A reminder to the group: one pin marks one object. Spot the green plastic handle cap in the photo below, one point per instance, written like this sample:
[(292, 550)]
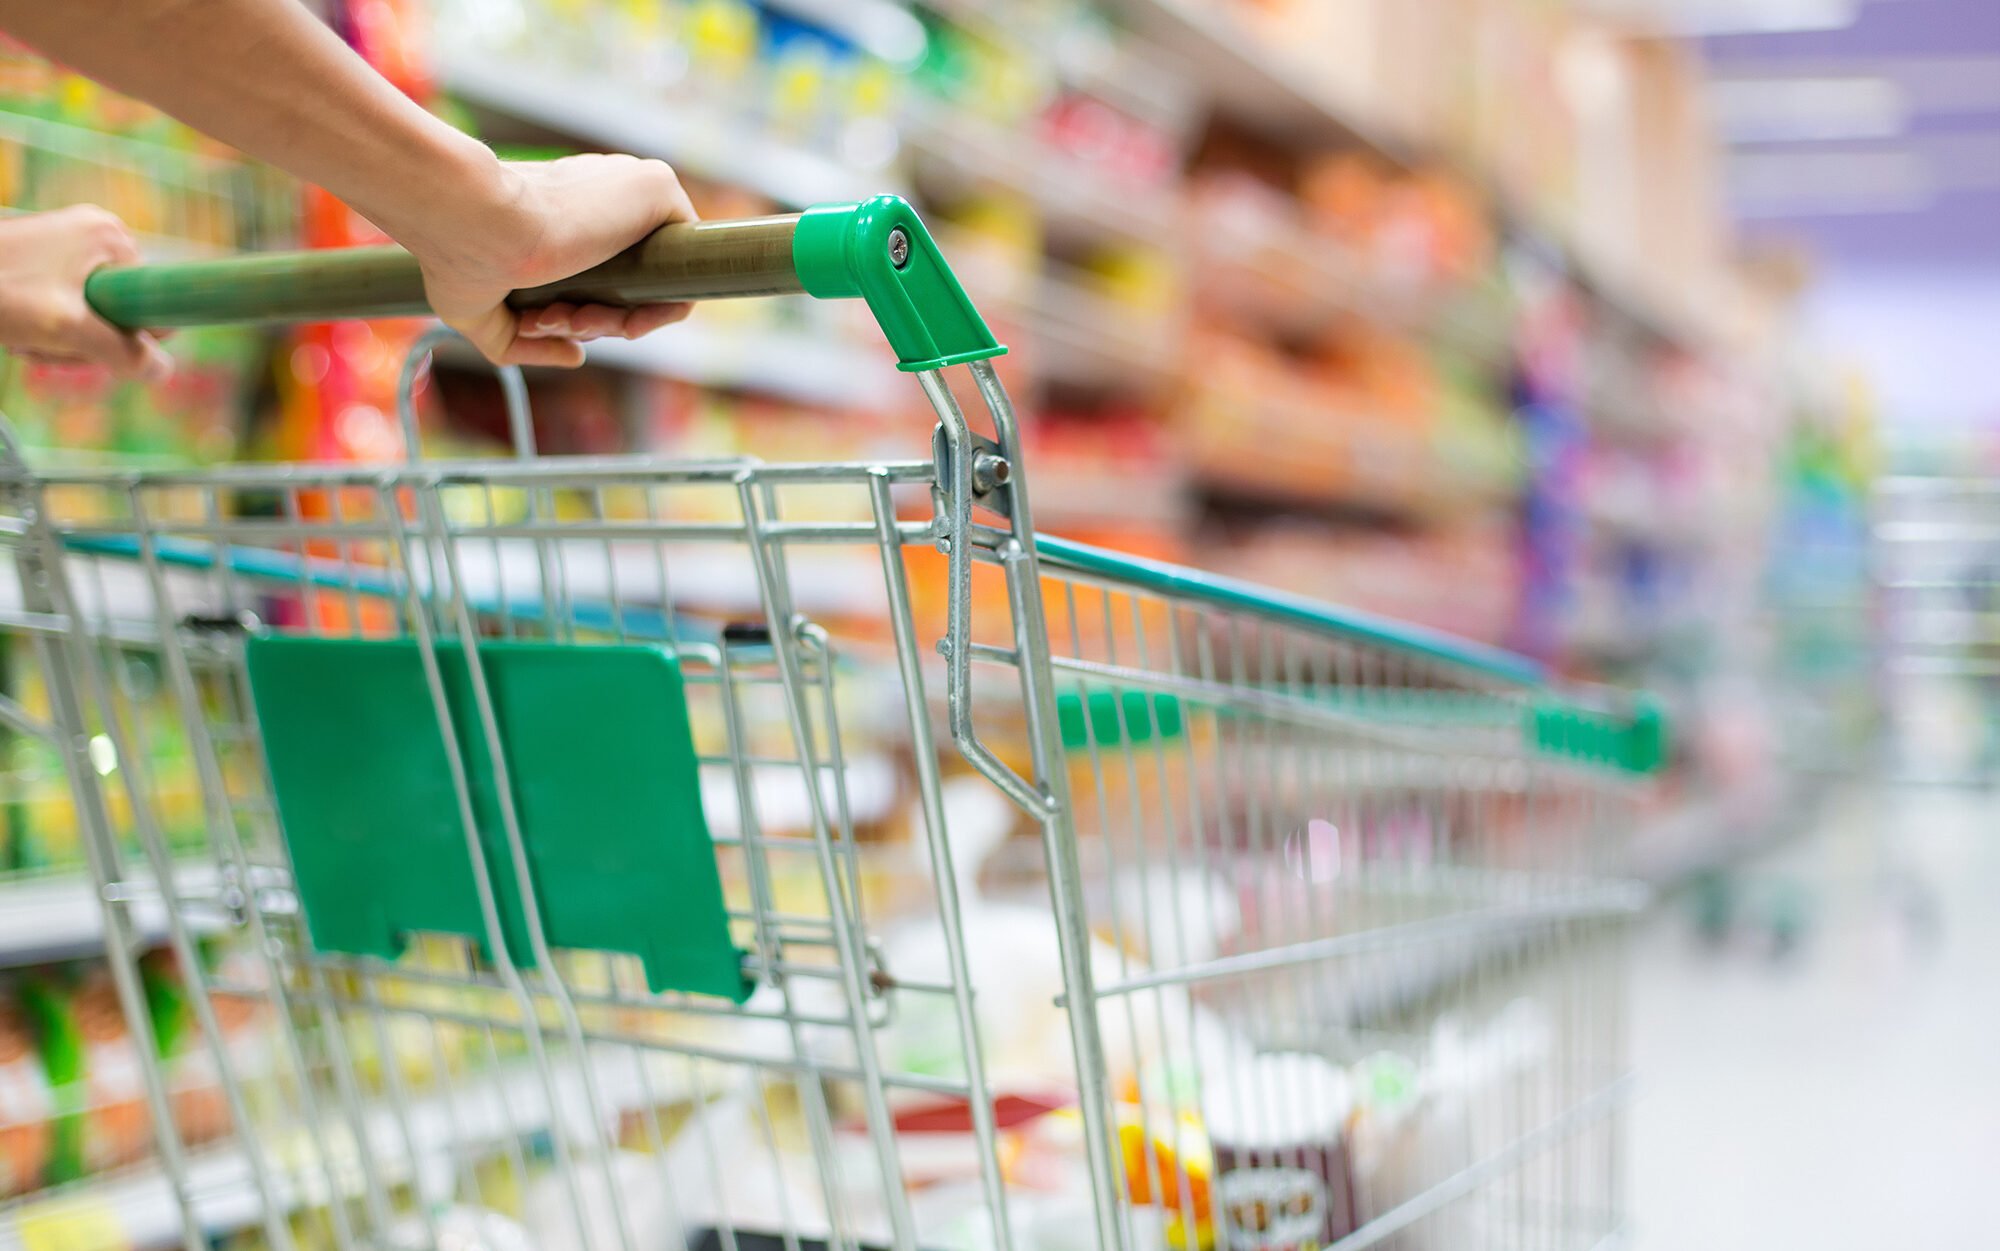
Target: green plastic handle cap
[(879, 251)]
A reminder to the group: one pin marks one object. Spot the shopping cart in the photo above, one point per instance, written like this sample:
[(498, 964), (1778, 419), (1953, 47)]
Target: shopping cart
[(625, 853)]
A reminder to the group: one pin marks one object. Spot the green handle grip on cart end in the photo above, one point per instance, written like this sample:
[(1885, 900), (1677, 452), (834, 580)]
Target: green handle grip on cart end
[(877, 251)]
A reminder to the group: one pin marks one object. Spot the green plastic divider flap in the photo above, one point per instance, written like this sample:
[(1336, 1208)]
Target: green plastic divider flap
[(880, 251), (602, 771)]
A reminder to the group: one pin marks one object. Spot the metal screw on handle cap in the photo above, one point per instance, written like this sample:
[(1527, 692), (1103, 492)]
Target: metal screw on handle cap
[(899, 247)]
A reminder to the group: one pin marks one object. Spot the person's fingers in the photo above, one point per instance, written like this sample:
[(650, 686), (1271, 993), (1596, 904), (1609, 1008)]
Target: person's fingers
[(555, 353), (154, 363), (595, 321), (661, 193), (584, 322), (120, 246), (105, 239), (83, 334), (492, 332), (552, 322), (647, 318)]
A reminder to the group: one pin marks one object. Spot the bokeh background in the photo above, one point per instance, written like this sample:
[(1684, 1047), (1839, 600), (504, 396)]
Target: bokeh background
[(1652, 338)]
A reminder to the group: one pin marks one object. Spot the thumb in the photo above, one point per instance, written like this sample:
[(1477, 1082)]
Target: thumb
[(154, 363), (133, 354)]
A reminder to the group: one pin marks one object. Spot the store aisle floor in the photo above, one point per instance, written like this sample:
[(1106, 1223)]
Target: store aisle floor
[(1846, 1093)]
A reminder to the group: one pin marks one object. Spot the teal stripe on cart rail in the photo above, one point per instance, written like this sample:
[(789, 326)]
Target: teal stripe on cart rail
[(1637, 743), (1176, 580), (642, 624)]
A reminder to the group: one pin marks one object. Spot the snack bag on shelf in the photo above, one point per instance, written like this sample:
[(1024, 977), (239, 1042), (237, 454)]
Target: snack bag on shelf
[(116, 1126), (26, 1104)]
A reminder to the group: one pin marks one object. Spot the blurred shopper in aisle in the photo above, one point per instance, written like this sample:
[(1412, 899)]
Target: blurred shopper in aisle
[(266, 77)]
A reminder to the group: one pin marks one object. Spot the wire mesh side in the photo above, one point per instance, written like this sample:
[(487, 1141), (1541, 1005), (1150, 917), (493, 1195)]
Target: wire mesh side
[(1357, 968), (411, 1098), (1345, 937)]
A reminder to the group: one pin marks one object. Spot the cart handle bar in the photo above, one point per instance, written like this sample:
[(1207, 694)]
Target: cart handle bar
[(877, 250)]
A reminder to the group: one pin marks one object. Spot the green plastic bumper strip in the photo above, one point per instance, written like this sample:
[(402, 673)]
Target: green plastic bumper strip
[(880, 251), (1636, 744), (1115, 719), (1161, 578), (603, 778)]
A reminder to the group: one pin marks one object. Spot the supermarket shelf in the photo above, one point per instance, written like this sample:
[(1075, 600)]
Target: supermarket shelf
[(1254, 82), (781, 801), (884, 28), (1716, 830), (1650, 311), (710, 143), (705, 577), (1087, 339), (1088, 496), (1073, 196), (1261, 85), (812, 369), (1122, 71), (224, 1189), (1292, 451), (156, 248), (45, 918), (1664, 851), (51, 917), (708, 578), (1279, 273), (1644, 520)]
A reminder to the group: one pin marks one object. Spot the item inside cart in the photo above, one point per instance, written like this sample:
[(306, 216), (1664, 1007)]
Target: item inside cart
[(996, 891)]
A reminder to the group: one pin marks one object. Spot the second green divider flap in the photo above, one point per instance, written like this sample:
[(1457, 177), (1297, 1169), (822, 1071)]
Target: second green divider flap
[(602, 768)]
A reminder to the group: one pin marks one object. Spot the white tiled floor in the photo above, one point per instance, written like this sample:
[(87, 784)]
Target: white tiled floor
[(1846, 1095)]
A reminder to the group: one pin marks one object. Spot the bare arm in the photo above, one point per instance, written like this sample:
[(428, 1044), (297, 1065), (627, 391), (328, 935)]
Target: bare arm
[(267, 77)]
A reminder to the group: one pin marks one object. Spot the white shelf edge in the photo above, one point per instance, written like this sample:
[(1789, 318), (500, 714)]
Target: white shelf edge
[(224, 1190), (812, 369), (706, 142), (55, 916)]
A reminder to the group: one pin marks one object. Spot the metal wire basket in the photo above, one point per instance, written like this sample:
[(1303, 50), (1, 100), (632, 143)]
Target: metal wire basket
[(642, 854)]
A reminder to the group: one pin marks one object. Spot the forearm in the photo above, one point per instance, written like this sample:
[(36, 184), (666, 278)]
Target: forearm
[(267, 77)]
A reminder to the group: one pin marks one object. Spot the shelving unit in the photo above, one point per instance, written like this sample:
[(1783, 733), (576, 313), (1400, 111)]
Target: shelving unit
[(1259, 84), (1074, 196), (1253, 81), (141, 1205)]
